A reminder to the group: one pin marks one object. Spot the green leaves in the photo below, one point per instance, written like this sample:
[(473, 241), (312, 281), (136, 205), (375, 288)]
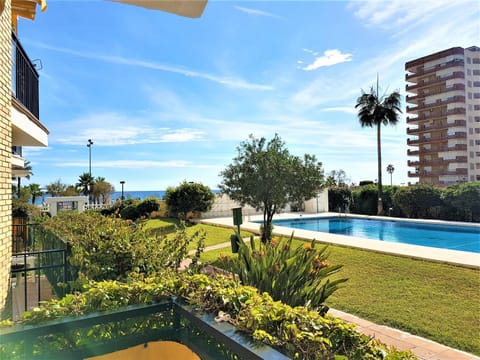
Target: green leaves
[(296, 276)]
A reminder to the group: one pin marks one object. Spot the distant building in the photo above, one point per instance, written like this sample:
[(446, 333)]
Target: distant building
[(443, 108)]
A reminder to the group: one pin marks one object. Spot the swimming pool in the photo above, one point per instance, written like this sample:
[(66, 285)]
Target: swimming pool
[(453, 237)]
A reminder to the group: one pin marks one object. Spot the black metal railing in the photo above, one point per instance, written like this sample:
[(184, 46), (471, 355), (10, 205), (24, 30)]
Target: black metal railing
[(24, 78), (40, 268)]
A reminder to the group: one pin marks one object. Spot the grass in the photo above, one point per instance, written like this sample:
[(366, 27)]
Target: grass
[(215, 234), (437, 301)]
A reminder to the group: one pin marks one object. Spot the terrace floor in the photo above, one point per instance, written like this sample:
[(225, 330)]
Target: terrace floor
[(423, 348)]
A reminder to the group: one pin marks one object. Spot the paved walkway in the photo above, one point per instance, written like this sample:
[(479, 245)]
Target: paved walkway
[(424, 349)]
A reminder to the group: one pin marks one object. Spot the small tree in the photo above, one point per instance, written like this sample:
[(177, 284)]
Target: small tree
[(266, 177), (188, 197), (102, 191), (56, 188)]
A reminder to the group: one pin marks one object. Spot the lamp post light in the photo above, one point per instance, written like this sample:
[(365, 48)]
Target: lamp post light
[(122, 183), (89, 145)]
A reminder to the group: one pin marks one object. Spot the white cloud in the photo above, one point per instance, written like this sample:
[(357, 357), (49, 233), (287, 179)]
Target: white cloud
[(329, 58), (115, 129), (256, 12), (345, 109), (232, 82)]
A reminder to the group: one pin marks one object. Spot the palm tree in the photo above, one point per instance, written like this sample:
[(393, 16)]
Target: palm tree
[(375, 110), (35, 192), (85, 183), (390, 170), (27, 167)]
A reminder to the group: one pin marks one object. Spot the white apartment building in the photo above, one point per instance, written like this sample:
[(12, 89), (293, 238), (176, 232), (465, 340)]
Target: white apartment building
[(443, 108)]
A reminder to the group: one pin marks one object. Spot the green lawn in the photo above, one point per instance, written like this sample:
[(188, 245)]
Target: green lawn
[(436, 301), (215, 234)]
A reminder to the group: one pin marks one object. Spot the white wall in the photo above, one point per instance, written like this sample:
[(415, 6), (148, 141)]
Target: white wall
[(223, 205)]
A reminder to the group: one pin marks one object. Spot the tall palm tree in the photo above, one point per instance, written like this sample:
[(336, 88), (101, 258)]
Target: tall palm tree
[(375, 110), (390, 170)]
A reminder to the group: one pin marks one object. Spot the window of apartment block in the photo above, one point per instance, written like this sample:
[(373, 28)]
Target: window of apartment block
[(470, 131), (476, 61), (477, 118), (472, 167), (477, 130), (470, 96), (469, 60), (476, 72), (469, 83), (476, 107), (476, 95), (476, 83), (477, 153), (469, 72), (471, 154), (477, 142), (478, 177)]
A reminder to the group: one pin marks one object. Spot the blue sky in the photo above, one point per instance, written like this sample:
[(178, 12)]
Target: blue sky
[(166, 98)]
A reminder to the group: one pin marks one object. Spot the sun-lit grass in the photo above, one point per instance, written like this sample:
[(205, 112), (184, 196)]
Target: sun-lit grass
[(215, 234), (433, 300)]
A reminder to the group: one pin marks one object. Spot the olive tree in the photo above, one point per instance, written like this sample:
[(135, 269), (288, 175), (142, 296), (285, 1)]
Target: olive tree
[(267, 177), (189, 197)]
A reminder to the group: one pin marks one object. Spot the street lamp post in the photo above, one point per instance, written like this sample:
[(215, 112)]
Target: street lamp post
[(123, 183), (89, 145)]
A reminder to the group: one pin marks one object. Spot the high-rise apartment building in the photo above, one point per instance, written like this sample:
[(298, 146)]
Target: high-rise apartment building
[(443, 108)]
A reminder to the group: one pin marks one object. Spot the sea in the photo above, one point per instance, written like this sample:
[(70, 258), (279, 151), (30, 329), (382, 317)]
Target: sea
[(140, 195)]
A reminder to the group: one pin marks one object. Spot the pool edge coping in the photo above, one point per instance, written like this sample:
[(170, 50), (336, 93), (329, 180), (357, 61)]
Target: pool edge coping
[(451, 257)]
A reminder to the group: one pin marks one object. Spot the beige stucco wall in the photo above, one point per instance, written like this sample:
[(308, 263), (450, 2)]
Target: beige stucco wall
[(5, 149)]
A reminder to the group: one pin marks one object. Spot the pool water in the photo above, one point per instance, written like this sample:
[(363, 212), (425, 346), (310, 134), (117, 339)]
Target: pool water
[(451, 237)]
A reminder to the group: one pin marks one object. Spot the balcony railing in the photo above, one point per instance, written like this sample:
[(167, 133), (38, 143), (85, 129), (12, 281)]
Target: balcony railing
[(433, 139), (428, 128), (436, 80), (423, 71), (453, 99), (435, 162), (436, 115), (24, 78), (437, 173), (457, 147), (438, 90)]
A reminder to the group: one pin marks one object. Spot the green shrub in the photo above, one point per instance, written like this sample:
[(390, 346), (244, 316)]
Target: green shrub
[(339, 197), (365, 200), (188, 197), (296, 276), (297, 332), (110, 248), (147, 206), (129, 212)]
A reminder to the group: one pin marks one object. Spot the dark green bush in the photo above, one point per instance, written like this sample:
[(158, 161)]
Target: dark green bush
[(130, 212), (339, 197), (365, 200), (147, 206)]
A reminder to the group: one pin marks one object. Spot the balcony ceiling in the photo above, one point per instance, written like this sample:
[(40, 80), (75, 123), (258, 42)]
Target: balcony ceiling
[(187, 8), (26, 130)]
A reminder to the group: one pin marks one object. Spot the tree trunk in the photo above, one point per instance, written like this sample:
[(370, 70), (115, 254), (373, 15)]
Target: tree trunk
[(379, 162)]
